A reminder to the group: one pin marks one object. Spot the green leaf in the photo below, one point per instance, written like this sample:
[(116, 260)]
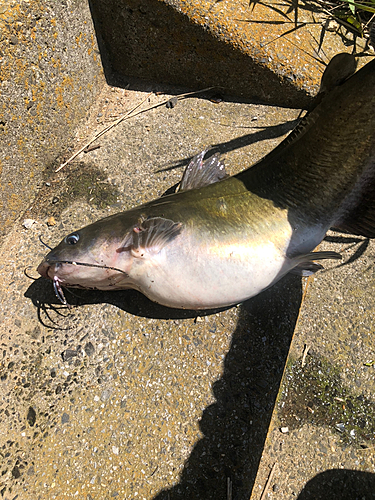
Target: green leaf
[(354, 22), (361, 6), (351, 6)]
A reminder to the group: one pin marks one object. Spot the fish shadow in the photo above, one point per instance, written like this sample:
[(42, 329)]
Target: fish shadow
[(235, 427), (224, 462), (43, 297)]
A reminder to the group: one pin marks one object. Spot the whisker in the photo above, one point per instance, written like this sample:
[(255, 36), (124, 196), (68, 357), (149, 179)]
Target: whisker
[(69, 290), (57, 282), (43, 308), (25, 272), (45, 244)]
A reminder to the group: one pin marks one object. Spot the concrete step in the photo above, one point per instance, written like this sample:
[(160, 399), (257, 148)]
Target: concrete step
[(270, 52), (119, 397), (132, 399)]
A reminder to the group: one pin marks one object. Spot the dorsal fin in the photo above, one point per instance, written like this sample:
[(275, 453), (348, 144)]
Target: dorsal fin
[(339, 69), (201, 173)]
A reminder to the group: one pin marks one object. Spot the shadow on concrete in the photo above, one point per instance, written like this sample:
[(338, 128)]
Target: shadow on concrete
[(154, 41), (263, 134), (236, 426), (226, 459), (50, 308), (340, 484)]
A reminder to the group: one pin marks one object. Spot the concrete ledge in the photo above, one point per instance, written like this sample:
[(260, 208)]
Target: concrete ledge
[(51, 70), (186, 43), (270, 52)]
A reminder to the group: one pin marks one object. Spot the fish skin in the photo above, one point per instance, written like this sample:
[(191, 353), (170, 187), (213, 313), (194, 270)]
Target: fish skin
[(210, 254), (225, 242)]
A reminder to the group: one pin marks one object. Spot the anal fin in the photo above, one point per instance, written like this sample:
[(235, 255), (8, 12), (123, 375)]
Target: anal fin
[(306, 269)]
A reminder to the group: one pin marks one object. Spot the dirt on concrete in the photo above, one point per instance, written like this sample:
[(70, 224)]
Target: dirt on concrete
[(50, 75)]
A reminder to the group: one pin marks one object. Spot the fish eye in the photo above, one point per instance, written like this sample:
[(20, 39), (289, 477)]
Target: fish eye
[(72, 239)]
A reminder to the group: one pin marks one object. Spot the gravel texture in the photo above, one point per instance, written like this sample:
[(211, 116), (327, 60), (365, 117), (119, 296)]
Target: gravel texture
[(118, 397)]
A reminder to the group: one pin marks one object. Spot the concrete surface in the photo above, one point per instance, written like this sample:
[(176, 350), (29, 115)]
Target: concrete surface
[(51, 69), (327, 403), (50, 74), (121, 398)]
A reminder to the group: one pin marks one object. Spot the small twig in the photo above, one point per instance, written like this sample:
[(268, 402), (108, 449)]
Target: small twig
[(91, 148), (229, 488), (268, 482), (305, 351), (102, 133), (368, 448), (153, 472), (128, 114)]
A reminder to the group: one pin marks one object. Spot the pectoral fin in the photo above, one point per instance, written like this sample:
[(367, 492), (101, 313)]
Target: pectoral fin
[(305, 265), (151, 235)]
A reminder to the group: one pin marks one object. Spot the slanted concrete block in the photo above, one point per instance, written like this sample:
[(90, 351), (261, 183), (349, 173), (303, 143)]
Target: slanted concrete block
[(190, 44), (50, 73)]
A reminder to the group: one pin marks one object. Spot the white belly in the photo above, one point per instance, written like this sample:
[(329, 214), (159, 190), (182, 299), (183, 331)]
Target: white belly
[(205, 277)]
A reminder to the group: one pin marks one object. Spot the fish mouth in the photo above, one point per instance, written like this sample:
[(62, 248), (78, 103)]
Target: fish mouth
[(45, 267), (48, 270)]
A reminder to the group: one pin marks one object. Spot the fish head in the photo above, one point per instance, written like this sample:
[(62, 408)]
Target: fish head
[(88, 258)]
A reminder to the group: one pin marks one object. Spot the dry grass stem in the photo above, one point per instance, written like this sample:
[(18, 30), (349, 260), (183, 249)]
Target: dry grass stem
[(129, 114), (267, 485)]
